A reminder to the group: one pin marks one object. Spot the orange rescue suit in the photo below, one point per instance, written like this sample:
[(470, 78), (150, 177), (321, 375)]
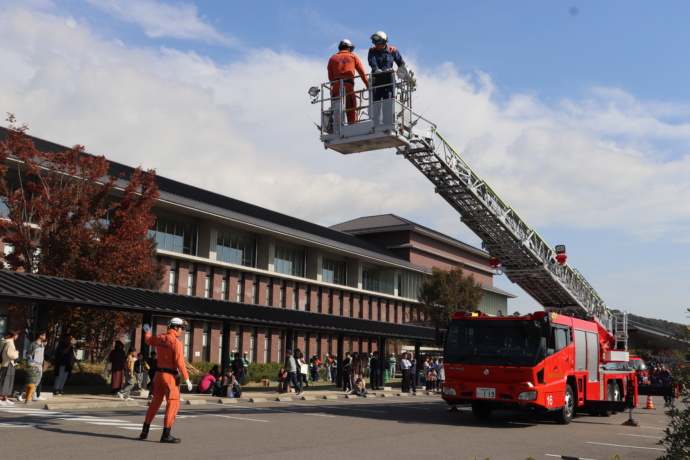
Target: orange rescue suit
[(171, 357), (343, 66)]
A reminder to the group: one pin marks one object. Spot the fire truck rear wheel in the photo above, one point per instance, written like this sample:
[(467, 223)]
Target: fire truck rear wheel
[(481, 410), (613, 393), (565, 414)]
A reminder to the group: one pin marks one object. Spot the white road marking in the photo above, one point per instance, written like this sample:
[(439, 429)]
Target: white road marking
[(623, 445), (111, 423), (139, 428), (239, 418), (20, 424), (336, 406), (640, 435), (271, 409)]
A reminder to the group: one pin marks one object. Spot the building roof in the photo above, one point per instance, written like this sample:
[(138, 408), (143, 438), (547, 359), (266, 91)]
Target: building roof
[(186, 195), (390, 222), (49, 290)]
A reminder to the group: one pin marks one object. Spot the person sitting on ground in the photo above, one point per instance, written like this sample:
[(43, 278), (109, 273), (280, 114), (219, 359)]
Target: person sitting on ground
[(282, 376), (360, 387), (228, 381), (207, 382)]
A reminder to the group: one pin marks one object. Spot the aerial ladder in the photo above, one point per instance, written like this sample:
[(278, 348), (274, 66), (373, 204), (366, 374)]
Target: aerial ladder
[(515, 249)]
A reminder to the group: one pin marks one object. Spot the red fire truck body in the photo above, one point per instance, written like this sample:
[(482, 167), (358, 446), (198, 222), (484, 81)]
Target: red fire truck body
[(544, 361)]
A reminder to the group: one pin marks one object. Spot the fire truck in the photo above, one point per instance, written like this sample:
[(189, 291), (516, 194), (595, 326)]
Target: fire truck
[(568, 358)]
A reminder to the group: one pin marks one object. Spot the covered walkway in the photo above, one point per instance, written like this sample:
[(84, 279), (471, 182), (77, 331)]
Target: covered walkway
[(46, 291)]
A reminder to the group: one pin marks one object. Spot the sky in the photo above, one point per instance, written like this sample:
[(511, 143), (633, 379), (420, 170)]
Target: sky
[(576, 113)]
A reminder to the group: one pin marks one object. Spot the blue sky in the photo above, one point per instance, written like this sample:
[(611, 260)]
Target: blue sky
[(576, 113)]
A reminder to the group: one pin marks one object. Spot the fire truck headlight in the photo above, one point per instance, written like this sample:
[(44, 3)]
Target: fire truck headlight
[(527, 396), (449, 391)]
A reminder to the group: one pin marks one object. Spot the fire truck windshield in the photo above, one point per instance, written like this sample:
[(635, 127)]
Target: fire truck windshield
[(509, 342)]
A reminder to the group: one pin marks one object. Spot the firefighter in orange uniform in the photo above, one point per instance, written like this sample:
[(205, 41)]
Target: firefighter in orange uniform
[(166, 383), (342, 66)]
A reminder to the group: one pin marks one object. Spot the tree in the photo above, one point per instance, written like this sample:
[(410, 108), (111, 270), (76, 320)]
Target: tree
[(65, 216), (445, 292), (677, 434)]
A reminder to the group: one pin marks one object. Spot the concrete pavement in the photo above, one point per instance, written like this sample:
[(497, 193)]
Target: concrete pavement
[(249, 394)]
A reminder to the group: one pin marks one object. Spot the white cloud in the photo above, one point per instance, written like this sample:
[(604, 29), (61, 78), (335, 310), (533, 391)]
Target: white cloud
[(160, 20), (608, 162)]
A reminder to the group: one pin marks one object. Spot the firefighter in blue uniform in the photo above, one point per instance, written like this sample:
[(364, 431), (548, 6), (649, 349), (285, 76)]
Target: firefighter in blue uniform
[(381, 58)]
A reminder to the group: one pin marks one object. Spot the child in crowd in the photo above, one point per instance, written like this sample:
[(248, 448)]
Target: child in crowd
[(31, 380), (431, 380), (360, 388)]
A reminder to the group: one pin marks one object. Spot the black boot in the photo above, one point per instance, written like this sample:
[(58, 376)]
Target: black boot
[(167, 438), (144, 431)]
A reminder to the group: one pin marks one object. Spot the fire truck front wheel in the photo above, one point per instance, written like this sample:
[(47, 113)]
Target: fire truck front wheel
[(481, 410), (564, 415)]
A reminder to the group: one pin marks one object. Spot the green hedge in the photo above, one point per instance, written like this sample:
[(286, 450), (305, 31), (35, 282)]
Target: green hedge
[(257, 371)]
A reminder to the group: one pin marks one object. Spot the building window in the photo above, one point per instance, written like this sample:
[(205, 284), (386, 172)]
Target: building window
[(205, 352), (207, 286), (266, 348), (254, 288), (175, 236), (190, 283), (409, 284), (289, 261), (282, 294), (240, 288), (294, 298), (172, 278), (333, 271), (235, 249), (252, 356), (224, 287), (280, 346), (378, 280), (269, 293)]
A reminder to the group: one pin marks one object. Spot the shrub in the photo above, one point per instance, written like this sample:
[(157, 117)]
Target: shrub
[(257, 371), (677, 439)]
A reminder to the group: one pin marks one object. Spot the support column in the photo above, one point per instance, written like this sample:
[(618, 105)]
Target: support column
[(143, 346), (225, 353), (340, 353), (289, 340)]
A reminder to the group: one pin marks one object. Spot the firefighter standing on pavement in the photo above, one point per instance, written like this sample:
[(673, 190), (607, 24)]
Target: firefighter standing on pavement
[(342, 66), (170, 366)]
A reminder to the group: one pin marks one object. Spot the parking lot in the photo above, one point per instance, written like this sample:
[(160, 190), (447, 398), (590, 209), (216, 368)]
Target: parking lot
[(394, 427)]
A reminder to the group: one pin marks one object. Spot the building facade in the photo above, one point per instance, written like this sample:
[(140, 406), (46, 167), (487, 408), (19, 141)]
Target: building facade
[(371, 268)]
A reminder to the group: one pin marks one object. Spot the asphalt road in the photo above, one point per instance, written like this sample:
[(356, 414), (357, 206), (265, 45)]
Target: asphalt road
[(418, 427)]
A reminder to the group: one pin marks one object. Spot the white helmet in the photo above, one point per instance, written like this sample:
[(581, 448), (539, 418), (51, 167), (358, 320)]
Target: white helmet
[(379, 37), (346, 44), (177, 322)]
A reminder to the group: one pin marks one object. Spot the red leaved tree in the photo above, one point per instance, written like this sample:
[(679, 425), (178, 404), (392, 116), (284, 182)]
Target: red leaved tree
[(65, 216)]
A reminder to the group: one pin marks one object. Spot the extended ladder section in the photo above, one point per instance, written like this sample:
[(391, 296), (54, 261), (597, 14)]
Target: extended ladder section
[(524, 256)]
